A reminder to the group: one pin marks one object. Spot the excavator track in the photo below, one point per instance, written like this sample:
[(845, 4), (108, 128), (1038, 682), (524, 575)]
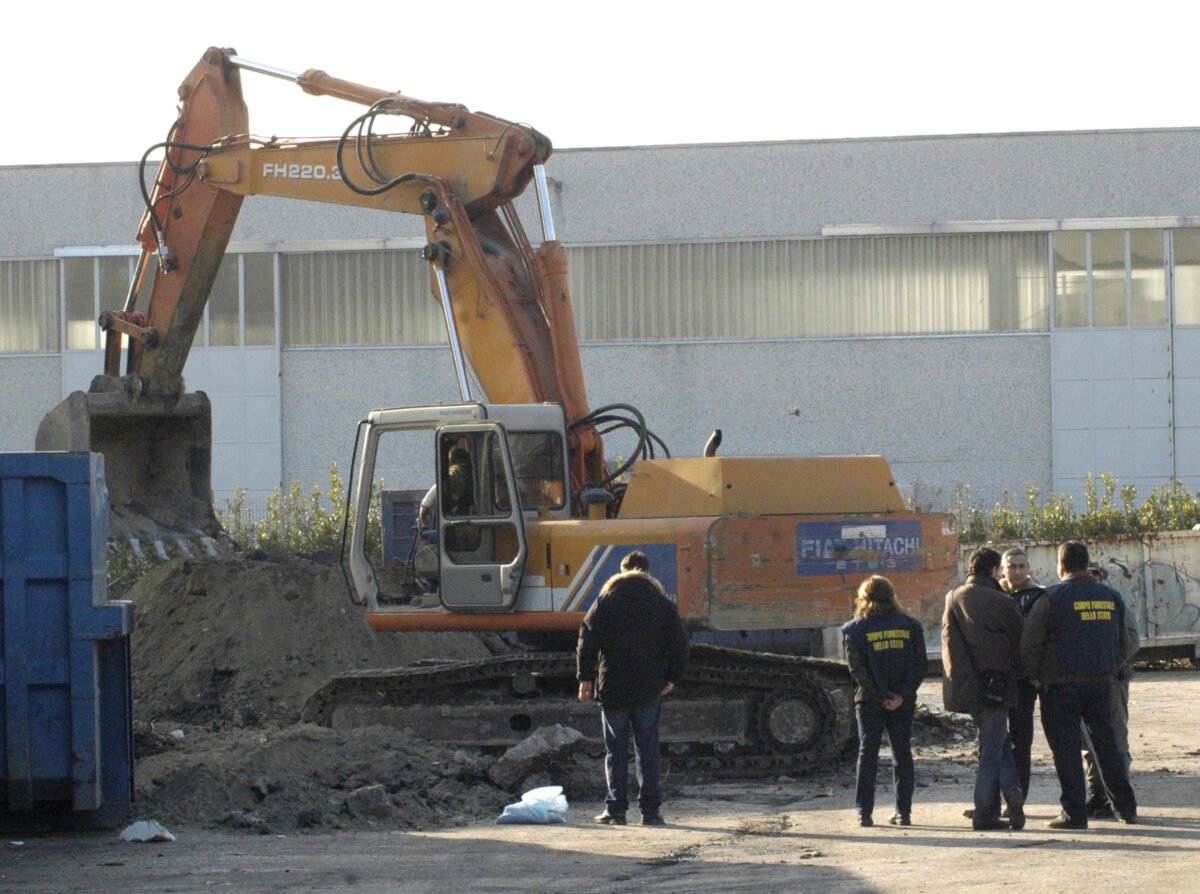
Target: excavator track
[(735, 713)]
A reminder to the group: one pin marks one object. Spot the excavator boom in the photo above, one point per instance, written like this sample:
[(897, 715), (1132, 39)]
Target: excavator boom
[(510, 316)]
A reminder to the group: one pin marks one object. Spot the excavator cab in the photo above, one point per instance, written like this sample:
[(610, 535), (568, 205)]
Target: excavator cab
[(470, 552), (481, 532)]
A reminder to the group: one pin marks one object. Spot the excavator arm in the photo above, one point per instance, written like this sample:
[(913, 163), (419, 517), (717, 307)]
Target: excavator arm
[(507, 305)]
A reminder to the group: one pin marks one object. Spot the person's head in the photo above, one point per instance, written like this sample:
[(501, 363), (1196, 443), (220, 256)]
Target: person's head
[(635, 561), (1072, 557), (876, 598), (459, 456), (984, 562), (1098, 571), (1015, 565)]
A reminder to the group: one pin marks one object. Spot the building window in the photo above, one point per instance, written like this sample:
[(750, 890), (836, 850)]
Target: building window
[(1185, 257), (258, 277), (1070, 280), (1108, 278), (244, 289), (853, 286), (1148, 277), (358, 298), (1118, 276), (29, 307)]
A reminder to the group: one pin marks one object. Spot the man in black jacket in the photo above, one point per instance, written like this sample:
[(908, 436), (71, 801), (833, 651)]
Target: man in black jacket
[(1072, 645), (633, 645), (1025, 591)]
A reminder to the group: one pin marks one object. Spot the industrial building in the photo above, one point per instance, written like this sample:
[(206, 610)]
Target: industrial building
[(988, 310)]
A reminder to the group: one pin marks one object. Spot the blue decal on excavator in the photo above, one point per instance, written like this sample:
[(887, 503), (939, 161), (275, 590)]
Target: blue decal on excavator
[(858, 547)]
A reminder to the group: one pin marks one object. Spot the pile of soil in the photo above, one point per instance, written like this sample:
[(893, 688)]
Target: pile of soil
[(239, 641), (225, 651)]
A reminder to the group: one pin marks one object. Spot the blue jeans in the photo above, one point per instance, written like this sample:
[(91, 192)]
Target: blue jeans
[(997, 772), (872, 721), (1063, 707), (643, 723)]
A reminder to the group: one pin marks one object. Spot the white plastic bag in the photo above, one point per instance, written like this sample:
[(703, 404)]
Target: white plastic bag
[(536, 807)]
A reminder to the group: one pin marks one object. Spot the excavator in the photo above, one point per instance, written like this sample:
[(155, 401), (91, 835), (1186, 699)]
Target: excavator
[(527, 518)]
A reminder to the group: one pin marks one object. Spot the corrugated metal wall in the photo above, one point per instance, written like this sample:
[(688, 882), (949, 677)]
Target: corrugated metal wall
[(810, 288), (358, 298), (744, 290)]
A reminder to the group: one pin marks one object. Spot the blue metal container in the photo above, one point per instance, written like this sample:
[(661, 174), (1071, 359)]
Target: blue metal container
[(66, 727)]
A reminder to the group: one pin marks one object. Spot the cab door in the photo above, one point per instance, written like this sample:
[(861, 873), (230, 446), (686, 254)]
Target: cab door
[(481, 531)]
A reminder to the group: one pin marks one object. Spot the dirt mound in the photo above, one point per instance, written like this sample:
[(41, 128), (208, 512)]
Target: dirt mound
[(241, 642), (225, 650), (308, 777)]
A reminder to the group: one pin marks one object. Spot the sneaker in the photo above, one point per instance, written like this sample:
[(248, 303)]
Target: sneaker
[(608, 818), (900, 819), (1102, 810), (1016, 812), (1062, 821), (866, 822), (653, 818)]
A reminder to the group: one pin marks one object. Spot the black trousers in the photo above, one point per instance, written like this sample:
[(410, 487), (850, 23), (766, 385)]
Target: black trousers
[(1020, 728), (1063, 707)]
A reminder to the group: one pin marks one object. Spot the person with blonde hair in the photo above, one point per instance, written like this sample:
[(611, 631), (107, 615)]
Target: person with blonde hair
[(886, 651)]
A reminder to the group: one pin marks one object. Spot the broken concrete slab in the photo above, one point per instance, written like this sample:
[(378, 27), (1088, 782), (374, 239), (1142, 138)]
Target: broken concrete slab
[(544, 746)]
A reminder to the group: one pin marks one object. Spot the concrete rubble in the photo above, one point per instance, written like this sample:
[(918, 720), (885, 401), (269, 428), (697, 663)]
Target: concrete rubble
[(544, 747)]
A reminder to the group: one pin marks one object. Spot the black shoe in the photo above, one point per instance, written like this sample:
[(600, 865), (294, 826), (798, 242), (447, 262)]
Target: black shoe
[(988, 825), (653, 818), (608, 818), (1016, 812), (1103, 810), (1129, 819), (900, 819), (1062, 821), (969, 813), (866, 822)]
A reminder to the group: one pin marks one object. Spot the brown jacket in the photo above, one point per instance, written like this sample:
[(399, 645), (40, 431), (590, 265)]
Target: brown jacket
[(989, 619)]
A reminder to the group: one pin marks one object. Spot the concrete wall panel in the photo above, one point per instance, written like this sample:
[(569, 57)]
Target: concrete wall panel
[(32, 386), (944, 411)]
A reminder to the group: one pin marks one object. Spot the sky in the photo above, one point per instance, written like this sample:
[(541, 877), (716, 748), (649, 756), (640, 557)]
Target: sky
[(97, 84)]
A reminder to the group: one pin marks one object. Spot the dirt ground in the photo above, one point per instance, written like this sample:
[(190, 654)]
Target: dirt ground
[(225, 651)]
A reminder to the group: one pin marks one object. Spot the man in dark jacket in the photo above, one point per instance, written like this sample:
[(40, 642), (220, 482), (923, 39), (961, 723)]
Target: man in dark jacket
[(1099, 803), (633, 645), (1074, 642), (886, 652), (981, 637), (1025, 591)]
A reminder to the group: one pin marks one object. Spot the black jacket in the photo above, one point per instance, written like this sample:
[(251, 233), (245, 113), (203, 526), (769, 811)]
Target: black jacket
[(631, 642), (1076, 633)]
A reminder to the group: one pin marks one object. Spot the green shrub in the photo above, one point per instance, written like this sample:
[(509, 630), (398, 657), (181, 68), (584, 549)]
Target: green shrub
[(1110, 510), (295, 523), (307, 525)]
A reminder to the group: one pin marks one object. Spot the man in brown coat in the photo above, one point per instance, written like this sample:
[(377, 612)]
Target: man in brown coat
[(981, 638)]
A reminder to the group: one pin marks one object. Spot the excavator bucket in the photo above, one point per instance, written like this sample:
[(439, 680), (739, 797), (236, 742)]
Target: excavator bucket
[(158, 461)]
